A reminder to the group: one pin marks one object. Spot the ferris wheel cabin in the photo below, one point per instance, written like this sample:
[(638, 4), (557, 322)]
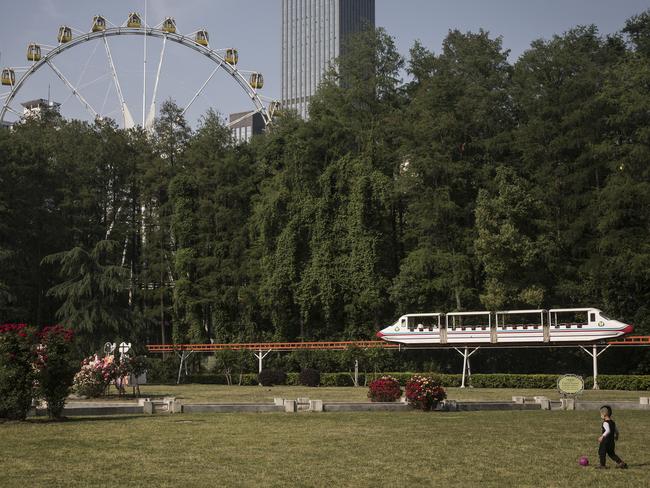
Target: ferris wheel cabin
[(256, 81), (8, 77), (65, 34), (201, 37), (232, 56), (99, 23), (169, 25), (33, 52), (134, 21)]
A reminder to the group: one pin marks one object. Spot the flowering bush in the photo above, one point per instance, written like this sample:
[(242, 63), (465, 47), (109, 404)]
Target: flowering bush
[(130, 367), (16, 373), (384, 389), (55, 367), (424, 393), (95, 375)]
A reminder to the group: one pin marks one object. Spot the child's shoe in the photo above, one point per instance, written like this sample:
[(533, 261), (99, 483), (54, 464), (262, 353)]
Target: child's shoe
[(621, 465)]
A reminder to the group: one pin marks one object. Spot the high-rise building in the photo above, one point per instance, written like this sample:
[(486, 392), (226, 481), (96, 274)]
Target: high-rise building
[(245, 125), (314, 32)]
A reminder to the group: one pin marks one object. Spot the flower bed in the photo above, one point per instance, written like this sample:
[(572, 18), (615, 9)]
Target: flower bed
[(424, 393), (95, 375), (384, 389)]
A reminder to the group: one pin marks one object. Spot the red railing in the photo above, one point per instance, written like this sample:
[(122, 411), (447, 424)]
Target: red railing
[(332, 346), (272, 346), (631, 341)]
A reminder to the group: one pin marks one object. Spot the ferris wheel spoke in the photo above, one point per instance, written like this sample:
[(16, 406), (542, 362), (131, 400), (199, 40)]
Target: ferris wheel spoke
[(246, 114), (126, 114), (152, 109), (74, 90), (15, 112), (202, 88)]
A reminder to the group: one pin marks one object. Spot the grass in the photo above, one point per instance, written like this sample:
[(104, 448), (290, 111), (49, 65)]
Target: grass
[(258, 394), (491, 449)]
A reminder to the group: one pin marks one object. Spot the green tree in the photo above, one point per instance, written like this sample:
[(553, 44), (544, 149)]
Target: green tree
[(94, 294), (511, 244)]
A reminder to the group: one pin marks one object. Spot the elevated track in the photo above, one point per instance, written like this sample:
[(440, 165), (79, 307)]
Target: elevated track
[(262, 349)]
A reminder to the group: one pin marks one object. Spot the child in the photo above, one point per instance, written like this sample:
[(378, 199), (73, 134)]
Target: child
[(609, 435)]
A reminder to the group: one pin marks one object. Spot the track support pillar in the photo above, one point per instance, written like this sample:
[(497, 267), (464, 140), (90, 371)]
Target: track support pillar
[(260, 356), (594, 353), (183, 356), (466, 368)]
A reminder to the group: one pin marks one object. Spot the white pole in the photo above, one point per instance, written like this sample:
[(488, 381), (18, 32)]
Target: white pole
[(356, 372), (144, 69), (594, 355), (462, 384)]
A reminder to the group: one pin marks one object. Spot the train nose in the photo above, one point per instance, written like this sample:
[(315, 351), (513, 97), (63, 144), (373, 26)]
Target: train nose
[(628, 329), (380, 334)]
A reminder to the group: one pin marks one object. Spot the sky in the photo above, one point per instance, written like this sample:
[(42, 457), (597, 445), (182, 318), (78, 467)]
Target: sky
[(254, 28)]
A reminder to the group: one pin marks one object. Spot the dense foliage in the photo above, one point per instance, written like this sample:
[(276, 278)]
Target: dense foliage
[(55, 367), (478, 183), (271, 377), (309, 377), (16, 372)]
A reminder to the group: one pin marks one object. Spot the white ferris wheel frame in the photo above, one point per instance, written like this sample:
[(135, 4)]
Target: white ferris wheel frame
[(184, 40)]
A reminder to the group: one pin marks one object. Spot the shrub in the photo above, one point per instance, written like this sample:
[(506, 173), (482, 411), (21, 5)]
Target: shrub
[(95, 375), (16, 371), (55, 368), (162, 371), (270, 377), (384, 389), (424, 392), (309, 377), (338, 379)]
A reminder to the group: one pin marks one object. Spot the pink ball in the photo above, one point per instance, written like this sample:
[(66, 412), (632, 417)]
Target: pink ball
[(584, 461)]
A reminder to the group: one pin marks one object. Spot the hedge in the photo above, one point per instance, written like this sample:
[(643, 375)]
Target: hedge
[(532, 381)]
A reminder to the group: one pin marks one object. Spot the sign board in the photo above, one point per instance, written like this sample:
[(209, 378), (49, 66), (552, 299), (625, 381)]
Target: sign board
[(570, 385)]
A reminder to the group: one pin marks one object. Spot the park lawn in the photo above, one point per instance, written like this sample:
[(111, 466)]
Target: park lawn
[(493, 449), (257, 394)]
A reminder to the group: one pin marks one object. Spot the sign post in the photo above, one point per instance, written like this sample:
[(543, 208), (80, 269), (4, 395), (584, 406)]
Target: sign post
[(570, 386)]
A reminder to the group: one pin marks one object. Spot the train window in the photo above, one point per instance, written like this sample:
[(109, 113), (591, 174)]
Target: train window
[(525, 327), (579, 326), (568, 326), (592, 317)]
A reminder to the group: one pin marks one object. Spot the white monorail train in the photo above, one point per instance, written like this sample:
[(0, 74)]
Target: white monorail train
[(578, 325)]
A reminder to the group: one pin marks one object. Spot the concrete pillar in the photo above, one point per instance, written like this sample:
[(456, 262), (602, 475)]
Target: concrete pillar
[(147, 407), (290, 406), (316, 405), (568, 403)]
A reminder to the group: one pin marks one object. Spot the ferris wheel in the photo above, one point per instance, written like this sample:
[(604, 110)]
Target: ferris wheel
[(41, 55)]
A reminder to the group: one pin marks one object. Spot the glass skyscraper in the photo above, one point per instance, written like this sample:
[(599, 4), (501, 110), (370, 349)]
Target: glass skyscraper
[(313, 34)]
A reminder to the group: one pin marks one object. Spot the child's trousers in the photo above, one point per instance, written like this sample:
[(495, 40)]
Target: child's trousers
[(608, 449)]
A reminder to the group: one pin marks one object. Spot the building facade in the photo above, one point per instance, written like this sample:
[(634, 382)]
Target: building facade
[(314, 32), (245, 125)]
